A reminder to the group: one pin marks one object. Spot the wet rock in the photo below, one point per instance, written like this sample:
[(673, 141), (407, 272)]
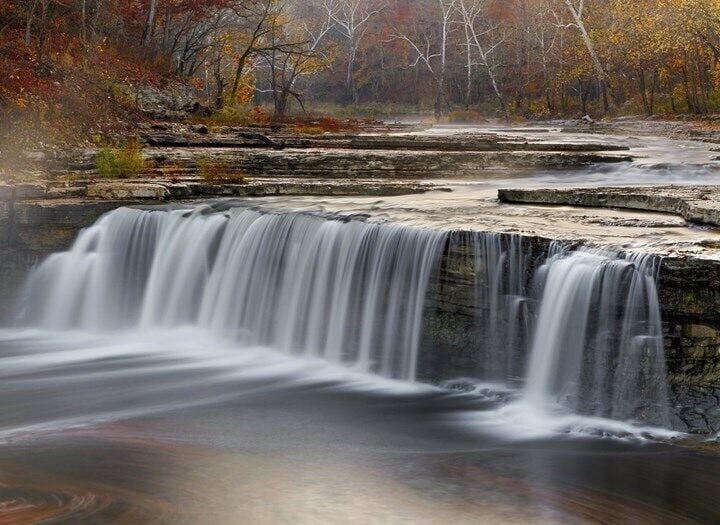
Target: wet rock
[(67, 193), (389, 164), (6, 192), (479, 142), (178, 191), (29, 191), (695, 420)]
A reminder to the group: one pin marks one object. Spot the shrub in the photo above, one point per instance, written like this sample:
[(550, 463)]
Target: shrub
[(331, 124), (319, 125), (219, 172), (123, 95), (121, 162), (257, 116), (465, 117), (309, 130), (235, 115)]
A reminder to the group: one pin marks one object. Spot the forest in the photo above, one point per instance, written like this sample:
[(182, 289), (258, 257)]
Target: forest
[(75, 62)]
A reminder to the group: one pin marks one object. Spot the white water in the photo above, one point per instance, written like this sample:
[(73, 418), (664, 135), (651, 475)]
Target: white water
[(582, 332), (347, 291), (598, 345), (502, 264)]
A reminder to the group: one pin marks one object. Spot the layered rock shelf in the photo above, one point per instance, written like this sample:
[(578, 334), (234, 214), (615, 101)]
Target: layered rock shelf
[(699, 204), (477, 142), (267, 153)]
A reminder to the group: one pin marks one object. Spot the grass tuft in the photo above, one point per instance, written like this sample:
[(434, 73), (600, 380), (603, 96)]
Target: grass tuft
[(121, 162)]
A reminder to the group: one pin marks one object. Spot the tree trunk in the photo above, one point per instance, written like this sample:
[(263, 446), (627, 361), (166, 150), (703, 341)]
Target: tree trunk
[(96, 17), (439, 97), (83, 21), (28, 25), (597, 65), (238, 73), (280, 105), (643, 93), (219, 85), (499, 95), (350, 78), (150, 23)]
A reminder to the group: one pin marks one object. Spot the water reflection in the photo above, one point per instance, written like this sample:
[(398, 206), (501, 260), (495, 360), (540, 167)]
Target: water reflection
[(165, 430)]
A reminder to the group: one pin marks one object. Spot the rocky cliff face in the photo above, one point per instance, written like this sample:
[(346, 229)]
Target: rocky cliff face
[(453, 346), (690, 297)]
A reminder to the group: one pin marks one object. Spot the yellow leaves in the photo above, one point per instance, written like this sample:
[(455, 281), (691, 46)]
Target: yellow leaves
[(716, 75), (21, 102)]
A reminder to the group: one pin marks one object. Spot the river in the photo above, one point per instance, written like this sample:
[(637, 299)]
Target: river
[(260, 361)]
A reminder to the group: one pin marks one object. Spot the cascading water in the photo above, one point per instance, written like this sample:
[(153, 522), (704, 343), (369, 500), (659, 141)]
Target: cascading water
[(344, 290), (580, 329), (598, 345), (502, 266)]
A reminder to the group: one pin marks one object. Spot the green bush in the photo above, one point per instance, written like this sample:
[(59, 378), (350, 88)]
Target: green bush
[(235, 115), (123, 95), (122, 162)]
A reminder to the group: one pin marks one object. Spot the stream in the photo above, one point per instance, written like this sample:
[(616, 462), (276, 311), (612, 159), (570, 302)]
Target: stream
[(264, 361)]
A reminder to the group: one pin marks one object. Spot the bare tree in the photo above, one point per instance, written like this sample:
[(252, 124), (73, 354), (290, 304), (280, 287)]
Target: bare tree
[(429, 43), (256, 19), (293, 51), (150, 22), (576, 9), (477, 32), (353, 19)]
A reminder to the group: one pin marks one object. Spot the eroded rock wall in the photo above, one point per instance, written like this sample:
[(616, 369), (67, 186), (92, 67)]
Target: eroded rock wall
[(689, 289)]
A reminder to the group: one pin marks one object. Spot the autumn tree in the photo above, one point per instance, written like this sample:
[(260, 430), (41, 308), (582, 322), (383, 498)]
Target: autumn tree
[(428, 37)]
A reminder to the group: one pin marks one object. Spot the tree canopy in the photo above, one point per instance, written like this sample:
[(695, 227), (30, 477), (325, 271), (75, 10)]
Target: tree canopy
[(535, 58)]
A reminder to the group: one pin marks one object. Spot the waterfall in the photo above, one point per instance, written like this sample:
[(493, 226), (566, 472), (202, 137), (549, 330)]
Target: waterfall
[(580, 328), (347, 291), (598, 344), (502, 265)]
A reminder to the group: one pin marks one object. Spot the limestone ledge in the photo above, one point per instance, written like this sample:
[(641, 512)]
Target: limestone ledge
[(192, 187), (700, 204)]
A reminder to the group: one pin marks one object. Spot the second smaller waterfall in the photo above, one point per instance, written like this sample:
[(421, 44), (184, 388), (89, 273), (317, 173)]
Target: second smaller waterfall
[(598, 346)]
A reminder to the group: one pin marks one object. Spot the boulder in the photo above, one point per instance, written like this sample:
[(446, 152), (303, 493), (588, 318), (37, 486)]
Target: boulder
[(175, 101)]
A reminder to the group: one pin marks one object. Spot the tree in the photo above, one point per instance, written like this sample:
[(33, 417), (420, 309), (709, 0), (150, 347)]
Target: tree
[(473, 19), (428, 38), (150, 23), (353, 19), (293, 51), (576, 9)]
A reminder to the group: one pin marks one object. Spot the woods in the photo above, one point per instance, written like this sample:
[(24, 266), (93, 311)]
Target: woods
[(527, 58)]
